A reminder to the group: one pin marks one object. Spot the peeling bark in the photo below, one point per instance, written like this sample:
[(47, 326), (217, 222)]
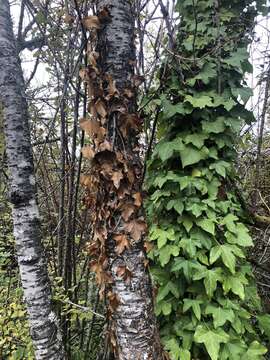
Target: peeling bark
[(26, 221), (133, 325)]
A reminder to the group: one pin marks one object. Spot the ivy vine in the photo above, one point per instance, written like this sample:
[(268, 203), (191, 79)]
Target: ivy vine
[(207, 302)]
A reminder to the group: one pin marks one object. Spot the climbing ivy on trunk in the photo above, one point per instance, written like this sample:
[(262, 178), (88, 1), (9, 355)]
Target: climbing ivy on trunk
[(206, 295)]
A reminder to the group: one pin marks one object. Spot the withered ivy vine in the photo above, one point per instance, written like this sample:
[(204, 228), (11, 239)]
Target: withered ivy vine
[(207, 303), (112, 190), (113, 181)]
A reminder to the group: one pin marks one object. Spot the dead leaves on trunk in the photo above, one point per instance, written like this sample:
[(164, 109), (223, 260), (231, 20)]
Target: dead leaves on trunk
[(113, 180), (91, 22), (122, 243)]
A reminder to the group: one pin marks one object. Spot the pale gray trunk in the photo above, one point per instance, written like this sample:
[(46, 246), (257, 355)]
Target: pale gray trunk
[(31, 258), (133, 322)]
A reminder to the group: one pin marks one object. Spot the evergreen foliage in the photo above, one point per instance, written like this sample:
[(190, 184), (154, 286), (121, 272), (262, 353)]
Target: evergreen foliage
[(206, 302)]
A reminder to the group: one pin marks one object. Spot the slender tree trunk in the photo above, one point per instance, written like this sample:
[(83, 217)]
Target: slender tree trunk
[(31, 258), (120, 225)]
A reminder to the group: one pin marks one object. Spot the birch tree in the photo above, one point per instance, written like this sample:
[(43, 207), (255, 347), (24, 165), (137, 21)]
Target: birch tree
[(26, 221), (114, 180)]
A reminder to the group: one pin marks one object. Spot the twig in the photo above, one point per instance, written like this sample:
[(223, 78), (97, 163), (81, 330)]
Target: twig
[(85, 309)]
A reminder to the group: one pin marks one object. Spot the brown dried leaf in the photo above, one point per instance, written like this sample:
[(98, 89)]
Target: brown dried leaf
[(92, 128), (92, 109), (138, 199), (127, 211), (102, 277), (101, 235), (88, 152), (136, 228), (106, 157), (106, 145), (117, 176), (93, 249), (123, 191), (120, 157), (148, 246), (146, 263), (113, 300), (83, 73), (92, 57), (86, 180), (130, 121), (113, 341), (122, 243), (106, 169), (91, 89), (101, 108), (91, 22), (112, 90), (131, 176), (124, 273)]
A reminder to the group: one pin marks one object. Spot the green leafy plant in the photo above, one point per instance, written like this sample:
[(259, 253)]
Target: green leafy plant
[(15, 341), (196, 223)]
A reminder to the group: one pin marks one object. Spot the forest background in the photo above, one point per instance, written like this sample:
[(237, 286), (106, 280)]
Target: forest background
[(50, 43)]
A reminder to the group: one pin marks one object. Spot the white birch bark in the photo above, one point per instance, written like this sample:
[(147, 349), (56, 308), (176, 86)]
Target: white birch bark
[(133, 322), (26, 221)]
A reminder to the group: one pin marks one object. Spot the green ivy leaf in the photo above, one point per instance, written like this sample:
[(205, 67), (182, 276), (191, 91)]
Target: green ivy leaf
[(175, 351), (201, 236), (166, 149), (211, 277), (166, 252), (237, 58), (207, 225), (242, 237), (164, 290), (188, 267), (184, 354), (190, 155), (216, 127), (221, 167), (195, 305), (166, 308), (169, 110), (190, 246), (226, 252), (264, 324), (211, 339), (229, 222), (244, 92), (177, 205), (199, 101), (232, 351), (207, 73), (187, 222), (255, 351), (162, 236), (220, 315), (196, 140), (235, 284)]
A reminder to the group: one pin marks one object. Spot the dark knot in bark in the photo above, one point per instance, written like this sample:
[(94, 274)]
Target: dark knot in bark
[(18, 197)]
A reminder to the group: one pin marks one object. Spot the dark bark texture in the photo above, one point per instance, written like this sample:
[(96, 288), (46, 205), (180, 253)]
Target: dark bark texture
[(26, 220), (133, 321)]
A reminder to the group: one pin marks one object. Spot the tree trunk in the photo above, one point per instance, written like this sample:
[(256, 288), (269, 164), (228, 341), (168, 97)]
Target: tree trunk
[(31, 258), (120, 227)]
